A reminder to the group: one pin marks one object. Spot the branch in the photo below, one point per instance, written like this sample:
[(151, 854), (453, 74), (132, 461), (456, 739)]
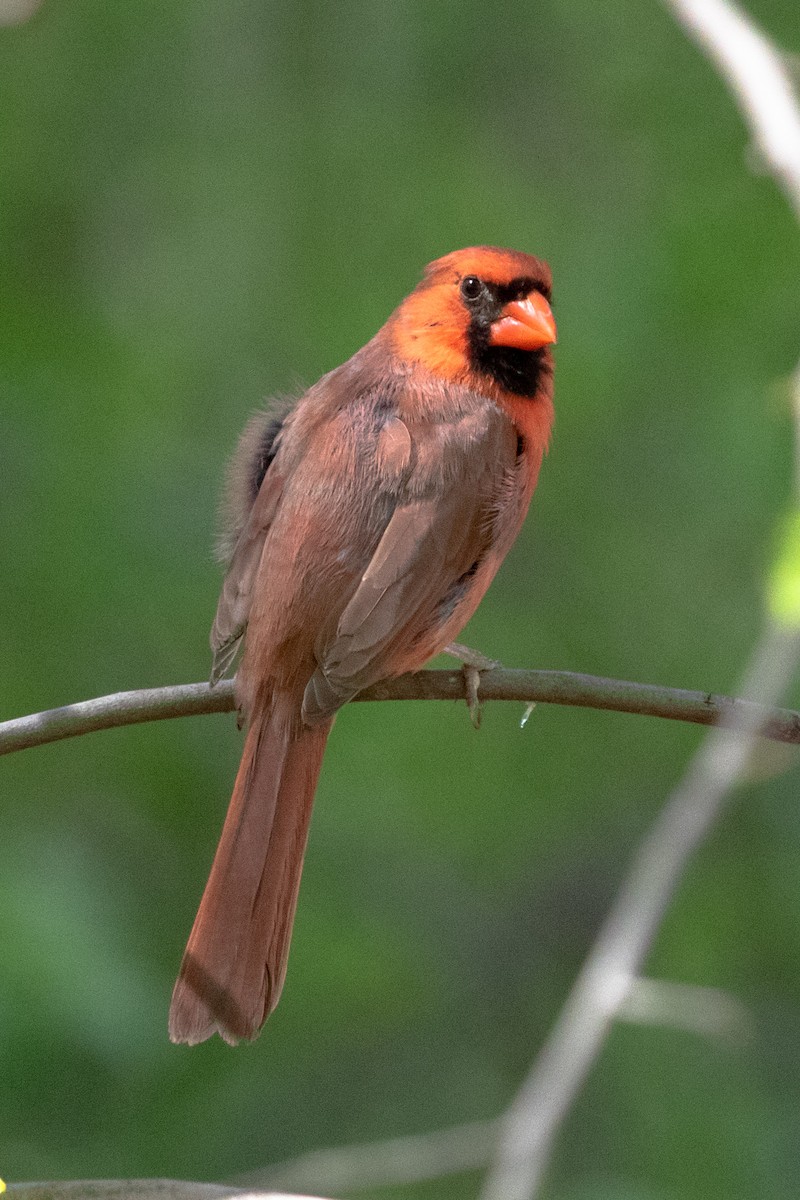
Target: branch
[(417, 1158), (549, 687), (394, 1162), (137, 1189), (758, 75)]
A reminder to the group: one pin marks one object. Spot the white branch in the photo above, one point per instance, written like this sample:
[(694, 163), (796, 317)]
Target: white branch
[(138, 1189), (758, 75), (708, 1011), (396, 1161)]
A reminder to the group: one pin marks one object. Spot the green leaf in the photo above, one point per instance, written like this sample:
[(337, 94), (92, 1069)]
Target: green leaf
[(784, 586)]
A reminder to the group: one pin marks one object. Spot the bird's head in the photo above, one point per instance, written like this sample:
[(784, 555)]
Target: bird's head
[(481, 316)]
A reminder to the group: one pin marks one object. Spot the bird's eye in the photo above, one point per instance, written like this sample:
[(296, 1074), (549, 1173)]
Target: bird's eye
[(471, 287)]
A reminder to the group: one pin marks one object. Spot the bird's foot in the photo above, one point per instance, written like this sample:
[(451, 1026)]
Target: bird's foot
[(472, 664)]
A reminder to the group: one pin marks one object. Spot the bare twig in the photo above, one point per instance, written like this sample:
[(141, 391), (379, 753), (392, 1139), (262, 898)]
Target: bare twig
[(16, 12), (138, 1189), (549, 687), (759, 77), (708, 1012), (400, 1160), (757, 74)]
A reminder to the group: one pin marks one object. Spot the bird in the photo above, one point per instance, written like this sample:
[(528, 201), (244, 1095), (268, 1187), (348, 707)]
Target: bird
[(365, 522)]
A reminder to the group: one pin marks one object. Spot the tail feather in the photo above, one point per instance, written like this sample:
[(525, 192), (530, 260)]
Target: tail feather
[(234, 965)]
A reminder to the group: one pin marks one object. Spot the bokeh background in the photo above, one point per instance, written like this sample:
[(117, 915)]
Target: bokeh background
[(202, 204)]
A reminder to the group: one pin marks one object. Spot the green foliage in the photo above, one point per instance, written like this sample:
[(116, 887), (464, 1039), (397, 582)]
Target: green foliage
[(784, 586), (203, 204)]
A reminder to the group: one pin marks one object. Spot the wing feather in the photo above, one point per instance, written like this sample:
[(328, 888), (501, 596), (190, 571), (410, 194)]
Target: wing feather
[(426, 547), (233, 609)]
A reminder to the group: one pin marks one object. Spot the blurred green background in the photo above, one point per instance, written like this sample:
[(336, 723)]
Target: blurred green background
[(202, 204)]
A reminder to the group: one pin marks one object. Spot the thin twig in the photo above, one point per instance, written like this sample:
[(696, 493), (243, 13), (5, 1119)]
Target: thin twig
[(708, 1011), (415, 1158), (756, 72), (392, 1162), (548, 687), (138, 1189)]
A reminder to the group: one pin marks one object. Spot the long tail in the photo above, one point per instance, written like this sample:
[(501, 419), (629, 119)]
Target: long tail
[(235, 961)]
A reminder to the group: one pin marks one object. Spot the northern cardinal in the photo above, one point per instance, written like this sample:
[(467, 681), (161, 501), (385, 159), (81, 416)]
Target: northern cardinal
[(366, 523)]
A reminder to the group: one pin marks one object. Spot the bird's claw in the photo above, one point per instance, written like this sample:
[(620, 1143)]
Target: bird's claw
[(472, 683), (472, 664)]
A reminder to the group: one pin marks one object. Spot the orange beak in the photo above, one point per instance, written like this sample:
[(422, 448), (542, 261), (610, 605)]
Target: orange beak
[(525, 324)]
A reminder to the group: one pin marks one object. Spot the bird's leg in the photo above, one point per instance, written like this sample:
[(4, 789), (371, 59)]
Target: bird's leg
[(472, 663)]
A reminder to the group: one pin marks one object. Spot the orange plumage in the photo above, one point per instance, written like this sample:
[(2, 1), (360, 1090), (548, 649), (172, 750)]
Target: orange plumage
[(366, 524)]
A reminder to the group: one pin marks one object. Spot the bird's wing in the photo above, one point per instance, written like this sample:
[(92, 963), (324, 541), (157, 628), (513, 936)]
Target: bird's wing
[(420, 571), (235, 598)]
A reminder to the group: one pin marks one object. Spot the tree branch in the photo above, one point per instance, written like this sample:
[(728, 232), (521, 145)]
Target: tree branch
[(138, 1189), (394, 1162), (758, 75), (548, 687)]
